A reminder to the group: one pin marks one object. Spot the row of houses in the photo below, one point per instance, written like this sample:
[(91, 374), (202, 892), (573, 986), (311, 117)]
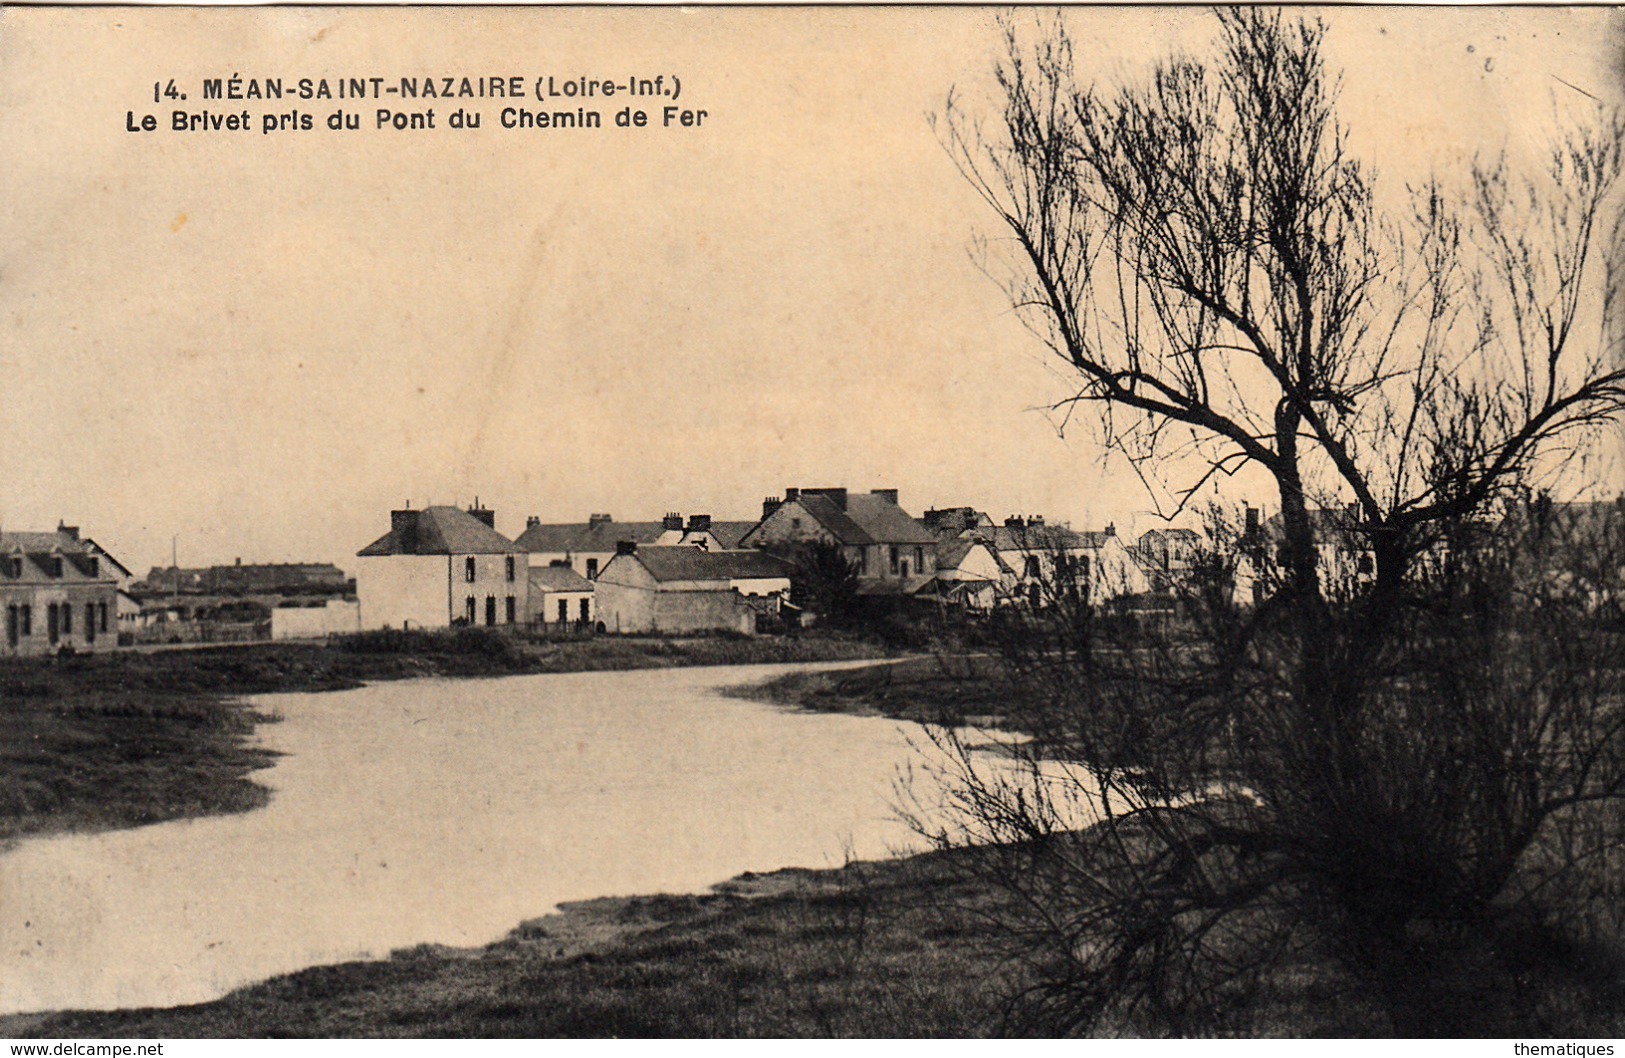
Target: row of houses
[(445, 566)]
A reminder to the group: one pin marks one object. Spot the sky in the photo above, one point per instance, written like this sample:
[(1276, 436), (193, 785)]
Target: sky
[(238, 345)]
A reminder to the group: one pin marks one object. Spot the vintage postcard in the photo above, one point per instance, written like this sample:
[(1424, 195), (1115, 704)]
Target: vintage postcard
[(812, 521)]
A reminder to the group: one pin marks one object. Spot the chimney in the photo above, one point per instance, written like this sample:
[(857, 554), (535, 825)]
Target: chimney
[(1111, 529), (672, 522), (532, 521), (1014, 522), (626, 547), (1036, 521), (769, 505), (404, 524), (699, 523), (69, 531), (239, 562), (889, 495), (838, 495), (595, 520), (791, 495)]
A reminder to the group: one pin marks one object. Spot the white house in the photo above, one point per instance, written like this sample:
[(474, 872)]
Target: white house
[(442, 566)]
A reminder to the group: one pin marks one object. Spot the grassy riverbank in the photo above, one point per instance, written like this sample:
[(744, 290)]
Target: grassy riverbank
[(871, 949), (96, 742), (970, 690)]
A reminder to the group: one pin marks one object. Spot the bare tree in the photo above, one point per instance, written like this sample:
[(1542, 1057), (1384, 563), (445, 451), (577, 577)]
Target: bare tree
[(1374, 774)]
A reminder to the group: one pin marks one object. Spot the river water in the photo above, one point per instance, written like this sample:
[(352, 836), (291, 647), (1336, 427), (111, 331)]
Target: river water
[(447, 811)]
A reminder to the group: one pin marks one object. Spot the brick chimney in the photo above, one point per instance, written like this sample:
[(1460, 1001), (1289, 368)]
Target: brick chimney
[(532, 521), (595, 520), (1036, 521), (1111, 529), (69, 531), (889, 495), (699, 523), (489, 517), (672, 522), (771, 504), (1014, 522), (626, 547), (791, 495)]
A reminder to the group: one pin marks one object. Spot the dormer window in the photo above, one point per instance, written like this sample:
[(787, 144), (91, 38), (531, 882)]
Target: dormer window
[(95, 566), (56, 566)]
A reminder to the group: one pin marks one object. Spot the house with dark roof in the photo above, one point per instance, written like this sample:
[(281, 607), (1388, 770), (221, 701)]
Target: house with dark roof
[(57, 592), (560, 598), (442, 566), (893, 553), (587, 547), (684, 589)]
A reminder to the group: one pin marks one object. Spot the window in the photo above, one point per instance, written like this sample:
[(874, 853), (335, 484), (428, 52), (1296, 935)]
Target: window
[(101, 613), (56, 565), (894, 558), (468, 611), (1032, 566), (27, 612), (863, 561), (1035, 598), (53, 631), (13, 625), (513, 607), (586, 615), (490, 610), (1366, 565), (510, 579), (592, 569), (67, 619), (564, 610), (905, 567), (90, 622), (919, 560), (95, 566), (468, 569)]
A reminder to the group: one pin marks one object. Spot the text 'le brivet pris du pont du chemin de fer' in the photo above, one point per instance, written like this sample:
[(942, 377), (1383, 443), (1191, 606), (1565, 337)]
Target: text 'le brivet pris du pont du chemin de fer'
[(240, 104)]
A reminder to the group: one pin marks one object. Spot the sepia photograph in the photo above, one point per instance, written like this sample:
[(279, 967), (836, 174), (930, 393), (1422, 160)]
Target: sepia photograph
[(808, 522)]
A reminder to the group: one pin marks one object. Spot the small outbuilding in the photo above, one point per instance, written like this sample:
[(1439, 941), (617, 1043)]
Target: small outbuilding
[(684, 589), (560, 598)]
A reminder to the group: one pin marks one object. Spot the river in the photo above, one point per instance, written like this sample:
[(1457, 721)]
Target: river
[(446, 811)]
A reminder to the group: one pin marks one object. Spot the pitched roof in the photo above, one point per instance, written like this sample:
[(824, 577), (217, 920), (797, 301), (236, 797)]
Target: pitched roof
[(690, 563), (441, 531), (41, 542), (728, 534), (1039, 538), (557, 578), (595, 536), (885, 521), (829, 514)]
